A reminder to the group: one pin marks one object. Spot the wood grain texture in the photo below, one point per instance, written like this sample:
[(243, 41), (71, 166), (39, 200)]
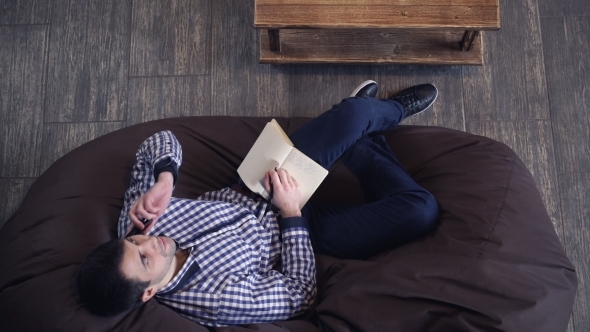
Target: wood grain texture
[(61, 138), (22, 89), (511, 86), (576, 216), (152, 98), (447, 110), (462, 14), (88, 60), (239, 85), (566, 42), (24, 12), (532, 142), (12, 192), (552, 8), (170, 37), (370, 46), (314, 89)]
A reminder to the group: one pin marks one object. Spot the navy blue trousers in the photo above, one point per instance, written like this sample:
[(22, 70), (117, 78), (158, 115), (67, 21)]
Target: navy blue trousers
[(398, 209)]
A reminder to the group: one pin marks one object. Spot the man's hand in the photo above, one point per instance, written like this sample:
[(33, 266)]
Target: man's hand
[(286, 192), (153, 203)]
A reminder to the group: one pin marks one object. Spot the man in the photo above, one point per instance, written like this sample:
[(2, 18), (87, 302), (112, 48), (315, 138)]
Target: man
[(211, 259)]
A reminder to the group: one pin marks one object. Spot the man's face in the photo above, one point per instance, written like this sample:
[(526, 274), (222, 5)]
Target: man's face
[(148, 258)]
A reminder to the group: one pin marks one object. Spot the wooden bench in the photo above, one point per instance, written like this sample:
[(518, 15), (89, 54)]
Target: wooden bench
[(374, 31)]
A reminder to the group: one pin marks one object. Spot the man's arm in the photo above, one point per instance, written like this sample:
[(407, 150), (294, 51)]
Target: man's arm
[(274, 295), (152, 180), (277, 295)]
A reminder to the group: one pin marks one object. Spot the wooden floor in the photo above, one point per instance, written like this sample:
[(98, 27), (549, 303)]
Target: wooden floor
[(73, 70)]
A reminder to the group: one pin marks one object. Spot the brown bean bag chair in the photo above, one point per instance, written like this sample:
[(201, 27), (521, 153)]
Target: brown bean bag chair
[(494, 263)]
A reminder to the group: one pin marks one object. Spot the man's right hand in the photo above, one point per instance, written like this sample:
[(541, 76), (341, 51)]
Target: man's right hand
[(153, 203), (286, 192)]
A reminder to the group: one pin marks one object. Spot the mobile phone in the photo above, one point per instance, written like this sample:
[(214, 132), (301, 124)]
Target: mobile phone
[(136, 230)]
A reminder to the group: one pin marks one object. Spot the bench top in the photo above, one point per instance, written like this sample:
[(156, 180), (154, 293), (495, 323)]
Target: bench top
[(418, 14)]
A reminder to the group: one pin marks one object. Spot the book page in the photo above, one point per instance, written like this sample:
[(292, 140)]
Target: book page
[(306, 172), (269, 151)]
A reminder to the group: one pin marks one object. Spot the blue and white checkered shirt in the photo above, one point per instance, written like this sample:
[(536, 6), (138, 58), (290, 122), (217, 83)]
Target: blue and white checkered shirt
[(234, 245)]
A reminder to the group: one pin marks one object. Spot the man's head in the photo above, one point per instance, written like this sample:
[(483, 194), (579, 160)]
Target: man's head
[(122, 274)]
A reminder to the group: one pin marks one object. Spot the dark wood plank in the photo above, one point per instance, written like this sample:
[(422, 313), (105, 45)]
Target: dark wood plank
[(552, 8), (239, 85), (152, 98), (447, 111), (61, 138), (457, 14), (370, 46), (22, 66), (24, 12), (511, 84), (532, 142), (88, 61), (12, 192), (566, 42), (313, 89), (576, 215), (171, 37)]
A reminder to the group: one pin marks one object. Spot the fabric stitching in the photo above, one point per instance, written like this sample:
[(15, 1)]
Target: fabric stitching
[(500, 210)]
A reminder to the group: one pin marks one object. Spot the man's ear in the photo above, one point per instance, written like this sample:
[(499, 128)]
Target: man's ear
[(148, 293)]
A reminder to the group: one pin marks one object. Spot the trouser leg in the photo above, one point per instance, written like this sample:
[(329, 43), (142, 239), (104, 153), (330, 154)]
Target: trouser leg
[(325, 138), (399, 209)]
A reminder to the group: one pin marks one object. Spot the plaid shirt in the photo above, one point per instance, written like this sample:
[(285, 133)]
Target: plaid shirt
[(234, 245)]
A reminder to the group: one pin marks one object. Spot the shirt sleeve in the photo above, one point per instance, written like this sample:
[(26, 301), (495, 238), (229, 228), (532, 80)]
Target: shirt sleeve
[(161, 152), (275, 295)]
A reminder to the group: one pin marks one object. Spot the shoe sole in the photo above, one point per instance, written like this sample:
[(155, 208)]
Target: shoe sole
[(361, 86), (432, 102)]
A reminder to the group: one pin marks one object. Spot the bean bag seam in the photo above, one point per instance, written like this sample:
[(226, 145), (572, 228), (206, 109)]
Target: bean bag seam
[(500, 210)]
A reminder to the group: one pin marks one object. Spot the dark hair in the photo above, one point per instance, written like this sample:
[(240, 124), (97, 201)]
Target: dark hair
[(101, 284)]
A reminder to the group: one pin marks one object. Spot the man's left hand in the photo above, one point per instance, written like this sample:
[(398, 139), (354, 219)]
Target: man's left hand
[(153, 203)]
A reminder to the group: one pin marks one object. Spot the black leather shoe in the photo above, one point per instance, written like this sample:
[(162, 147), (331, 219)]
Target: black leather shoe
[(366, 89), (416, 99)]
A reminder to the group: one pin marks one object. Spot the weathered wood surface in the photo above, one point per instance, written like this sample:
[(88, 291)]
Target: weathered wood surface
[(24, 11), (511, 85), (553, 8), (170, 37), (449, 14), (566, 42), (374, 46), (88, 60), (152, 98), (23, 54), (239, 85)]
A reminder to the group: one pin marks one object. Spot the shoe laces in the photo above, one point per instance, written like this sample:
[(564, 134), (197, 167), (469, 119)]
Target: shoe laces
[(410, 100)]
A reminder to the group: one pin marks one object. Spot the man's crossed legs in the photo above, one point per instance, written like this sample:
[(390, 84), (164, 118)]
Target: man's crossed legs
[(398, 209)]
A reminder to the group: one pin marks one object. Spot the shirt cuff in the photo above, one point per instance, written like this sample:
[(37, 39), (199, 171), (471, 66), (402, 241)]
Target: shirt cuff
[(166, 165), (292, 222)]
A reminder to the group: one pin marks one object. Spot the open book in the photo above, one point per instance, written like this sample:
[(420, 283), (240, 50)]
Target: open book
[(273, 148)]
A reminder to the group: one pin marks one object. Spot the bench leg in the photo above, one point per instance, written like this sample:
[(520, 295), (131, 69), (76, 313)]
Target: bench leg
[(274, 39), (468, 38)]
